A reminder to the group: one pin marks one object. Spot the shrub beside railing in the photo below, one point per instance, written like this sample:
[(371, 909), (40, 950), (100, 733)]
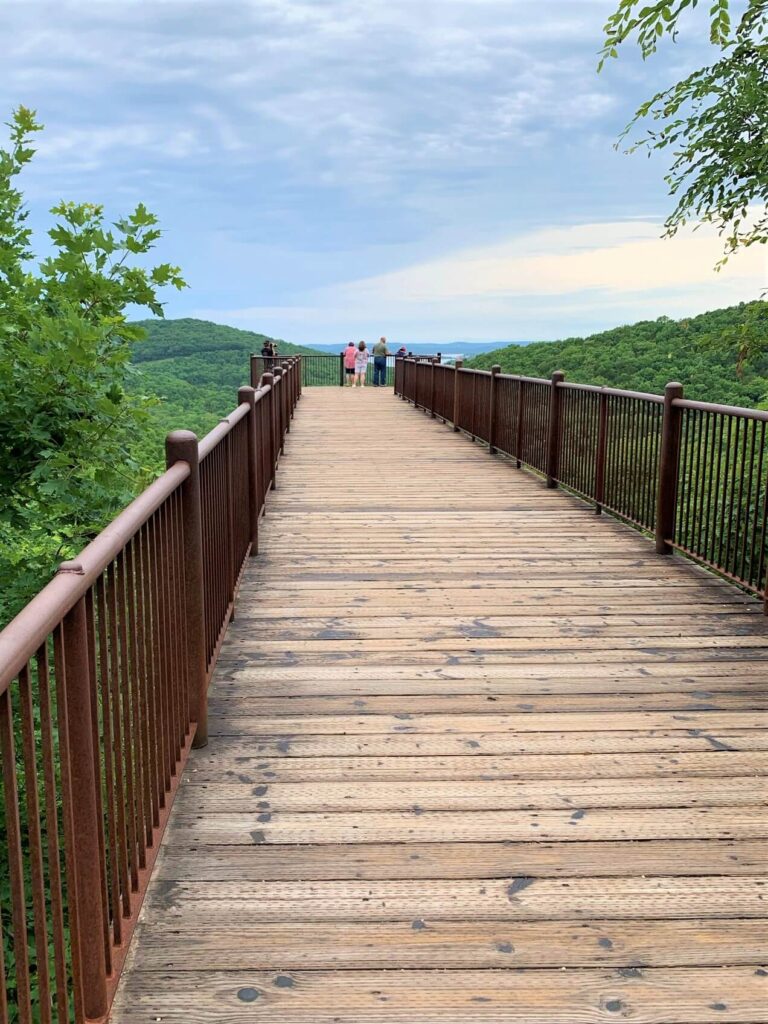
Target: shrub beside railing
[(103, 690), (693, 474)]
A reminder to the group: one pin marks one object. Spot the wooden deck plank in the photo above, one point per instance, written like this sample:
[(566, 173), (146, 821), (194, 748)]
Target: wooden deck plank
[(352, 945), (736, 995), (417, 825), (254, 771), (179, 862), (476, 755)]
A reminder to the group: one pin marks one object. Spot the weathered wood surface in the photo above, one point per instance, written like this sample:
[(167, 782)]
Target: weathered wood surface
[(476, 755)]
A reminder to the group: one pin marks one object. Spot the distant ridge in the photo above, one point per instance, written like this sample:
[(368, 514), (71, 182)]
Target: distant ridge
[(430, 348)]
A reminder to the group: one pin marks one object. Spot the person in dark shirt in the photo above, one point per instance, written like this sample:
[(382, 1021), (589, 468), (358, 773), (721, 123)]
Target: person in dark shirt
[(380, 353)]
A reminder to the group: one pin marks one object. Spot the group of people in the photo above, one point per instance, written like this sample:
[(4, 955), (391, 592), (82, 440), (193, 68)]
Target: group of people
[(269, 352), (356, 358)]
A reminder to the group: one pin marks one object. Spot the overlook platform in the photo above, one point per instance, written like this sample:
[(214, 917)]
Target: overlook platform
[(475, 754)]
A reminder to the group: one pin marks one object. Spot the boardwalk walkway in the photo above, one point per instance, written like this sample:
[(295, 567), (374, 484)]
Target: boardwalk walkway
[(476, 755)]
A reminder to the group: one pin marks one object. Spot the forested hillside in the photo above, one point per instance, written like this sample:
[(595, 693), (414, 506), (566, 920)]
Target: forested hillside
[(720, 356), (194, 368)]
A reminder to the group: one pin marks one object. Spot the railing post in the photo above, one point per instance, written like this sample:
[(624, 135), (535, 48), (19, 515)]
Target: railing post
[(602, 448), (432, 390), (341, 369), (456, 367), (553, 438), (85, 856), (666, 495), (254, 372), (181, 446), (495, 371), (248, 396)]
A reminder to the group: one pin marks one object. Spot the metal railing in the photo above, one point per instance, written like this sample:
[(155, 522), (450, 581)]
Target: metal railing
[(327, 370), (693, 474), (103, 689)]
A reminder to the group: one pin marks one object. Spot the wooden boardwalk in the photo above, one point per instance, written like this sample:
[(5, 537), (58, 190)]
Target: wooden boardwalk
[(476, 755)]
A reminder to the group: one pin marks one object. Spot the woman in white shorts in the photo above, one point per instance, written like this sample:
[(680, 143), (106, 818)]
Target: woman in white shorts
[(361, 364)]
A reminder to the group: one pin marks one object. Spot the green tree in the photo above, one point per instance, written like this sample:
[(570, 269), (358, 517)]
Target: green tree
[(714, 121), (69, 417)]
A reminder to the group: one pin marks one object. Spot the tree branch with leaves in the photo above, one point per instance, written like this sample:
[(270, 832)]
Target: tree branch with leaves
[(714, 121), (70, 420)]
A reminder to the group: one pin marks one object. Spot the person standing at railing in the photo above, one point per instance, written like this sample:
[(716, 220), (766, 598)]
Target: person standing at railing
[(350, 353), (380, 353), (267, 356), (361, 364)]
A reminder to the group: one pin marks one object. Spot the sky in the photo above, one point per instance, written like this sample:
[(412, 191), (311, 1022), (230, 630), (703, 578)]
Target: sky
[(435, 170)]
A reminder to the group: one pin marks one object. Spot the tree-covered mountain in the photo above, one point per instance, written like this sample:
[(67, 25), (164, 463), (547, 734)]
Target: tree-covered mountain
[(720, 356), (193, 368)]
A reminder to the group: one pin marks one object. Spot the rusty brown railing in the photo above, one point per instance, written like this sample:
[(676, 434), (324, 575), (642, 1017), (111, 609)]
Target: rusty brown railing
[(693, 474), (103, 689)]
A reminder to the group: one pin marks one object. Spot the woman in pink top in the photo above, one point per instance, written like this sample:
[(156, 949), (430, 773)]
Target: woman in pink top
[(349, 363), (361, 364)]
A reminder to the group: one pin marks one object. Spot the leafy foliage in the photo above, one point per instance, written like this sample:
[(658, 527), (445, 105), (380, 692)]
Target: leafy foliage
[(193, 368), (715, 120), (69, 418), (718, 356)]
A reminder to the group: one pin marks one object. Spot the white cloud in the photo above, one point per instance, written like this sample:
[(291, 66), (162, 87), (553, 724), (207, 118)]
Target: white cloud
[(620, 257), (589, 273)]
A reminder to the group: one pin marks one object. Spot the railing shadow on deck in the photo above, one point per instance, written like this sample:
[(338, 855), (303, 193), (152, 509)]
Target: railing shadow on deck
[(694, 475), (103, 690)]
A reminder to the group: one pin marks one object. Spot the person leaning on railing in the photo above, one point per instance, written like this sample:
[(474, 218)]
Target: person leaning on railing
[(349, 363), (380, 353)]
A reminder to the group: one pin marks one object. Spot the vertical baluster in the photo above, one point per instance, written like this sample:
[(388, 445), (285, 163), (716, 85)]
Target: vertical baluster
[(90, 615), (127, 722), (121, 798), (48, 751), (734, 457), (15, 860), (35, 844), (143, 675), (111, 787), (182, 446), (79, 793)]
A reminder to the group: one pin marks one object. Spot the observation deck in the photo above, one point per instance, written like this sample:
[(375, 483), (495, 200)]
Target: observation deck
[(475, 754)]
